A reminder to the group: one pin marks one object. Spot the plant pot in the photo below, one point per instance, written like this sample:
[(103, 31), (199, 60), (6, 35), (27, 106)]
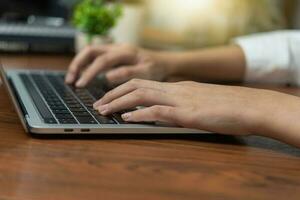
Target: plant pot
[(82, 40)]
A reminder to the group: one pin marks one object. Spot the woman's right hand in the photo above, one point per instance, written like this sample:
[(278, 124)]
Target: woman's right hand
[(120, 63), (214, 108)]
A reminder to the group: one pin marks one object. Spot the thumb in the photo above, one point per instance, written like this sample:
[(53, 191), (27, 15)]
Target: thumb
[(166, 114)]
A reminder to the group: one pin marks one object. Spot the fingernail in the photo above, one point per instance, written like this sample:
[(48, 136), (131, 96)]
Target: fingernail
[(69, 78), (126, 116), (80, 83), (103, 110), (97, 104)]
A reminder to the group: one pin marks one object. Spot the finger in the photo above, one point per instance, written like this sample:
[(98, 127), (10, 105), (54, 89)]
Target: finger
[(157, 113), (103, 63), (139, 97), (81, 60), (127, 88), (122, 74), (99, 64)]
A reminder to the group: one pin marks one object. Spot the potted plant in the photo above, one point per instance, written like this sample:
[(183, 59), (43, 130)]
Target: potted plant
[(94, 19)]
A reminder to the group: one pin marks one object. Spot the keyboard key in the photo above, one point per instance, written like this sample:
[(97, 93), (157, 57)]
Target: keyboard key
[(55, 104), (76, 106), (104, 120), (38, 101), (64, 116), (50, 121), (60, 111), (81, 109), (89, 106), (57, 107), (67, 121), (86, 120), (71, 102), (119, 119), (80, 114)]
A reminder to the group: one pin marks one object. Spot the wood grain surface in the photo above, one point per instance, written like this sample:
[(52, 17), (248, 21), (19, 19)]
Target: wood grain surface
[(134, 168)]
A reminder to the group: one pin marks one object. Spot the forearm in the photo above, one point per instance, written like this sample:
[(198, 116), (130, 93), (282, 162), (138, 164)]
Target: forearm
[(277, 116), (223, 64)]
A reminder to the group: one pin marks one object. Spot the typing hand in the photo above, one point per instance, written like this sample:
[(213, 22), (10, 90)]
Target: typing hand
[(120, 63), (221, 109)]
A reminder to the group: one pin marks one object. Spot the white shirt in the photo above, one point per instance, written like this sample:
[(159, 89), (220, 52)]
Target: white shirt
[(272, 58)]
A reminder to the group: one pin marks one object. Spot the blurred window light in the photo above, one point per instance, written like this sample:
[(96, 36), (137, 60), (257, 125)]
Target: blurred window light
[(196, 23)]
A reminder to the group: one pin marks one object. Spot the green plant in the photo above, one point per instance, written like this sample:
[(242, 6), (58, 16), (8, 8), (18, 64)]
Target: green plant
[(96, 17)]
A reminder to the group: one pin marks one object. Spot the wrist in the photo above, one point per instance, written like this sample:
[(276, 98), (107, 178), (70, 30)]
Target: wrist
[(166, 61), (274, 115), (283, 122), (258, 115)]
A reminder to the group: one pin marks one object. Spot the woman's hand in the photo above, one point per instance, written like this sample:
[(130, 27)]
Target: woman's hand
[(215, 108), (120, 63), (222, 109)]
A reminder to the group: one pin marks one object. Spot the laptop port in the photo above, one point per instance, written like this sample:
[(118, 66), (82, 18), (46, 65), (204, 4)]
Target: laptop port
[(85, 130), (69, 130)]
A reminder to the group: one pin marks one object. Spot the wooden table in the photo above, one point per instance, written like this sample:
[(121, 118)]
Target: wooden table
[(161, 167)]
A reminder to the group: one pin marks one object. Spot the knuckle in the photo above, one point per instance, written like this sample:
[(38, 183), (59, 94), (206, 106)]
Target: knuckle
[(127, 46), (88, 49), (90, 72), (134, 82), (146, 69), (75, 64), (186, 82), (109, 59), (108, 94), (73, 69), (149, 66), (163, 112), (126, 72), (101, 59), (168, 111), (110, 106), (127, 50), (156, 111), (141, 93), (86, 74)]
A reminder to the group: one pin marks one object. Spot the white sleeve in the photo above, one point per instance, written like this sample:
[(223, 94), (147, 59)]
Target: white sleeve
[(272, 57)]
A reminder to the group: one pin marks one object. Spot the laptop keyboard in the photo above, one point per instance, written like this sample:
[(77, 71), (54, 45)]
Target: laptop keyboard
[(59, 103)]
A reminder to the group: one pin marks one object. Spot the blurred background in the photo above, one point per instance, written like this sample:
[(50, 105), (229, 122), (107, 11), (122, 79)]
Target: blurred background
[(47, 26)]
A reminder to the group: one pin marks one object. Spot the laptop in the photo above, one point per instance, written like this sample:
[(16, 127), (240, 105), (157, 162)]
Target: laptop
[(48, 106)]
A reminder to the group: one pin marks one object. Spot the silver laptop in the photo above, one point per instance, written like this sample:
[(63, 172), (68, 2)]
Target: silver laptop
[(47, 106)]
